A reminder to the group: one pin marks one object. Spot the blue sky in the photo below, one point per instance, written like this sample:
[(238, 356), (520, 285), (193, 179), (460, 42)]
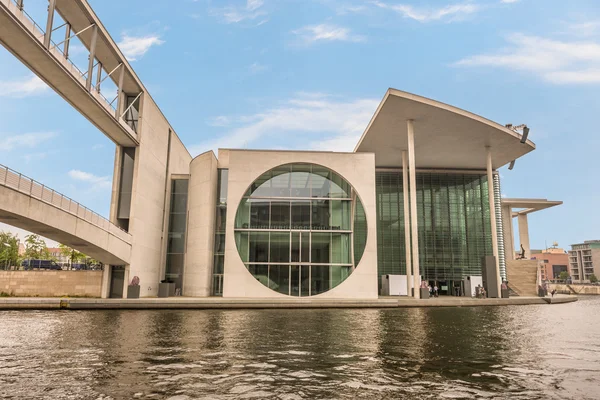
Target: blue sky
[(306, 74)]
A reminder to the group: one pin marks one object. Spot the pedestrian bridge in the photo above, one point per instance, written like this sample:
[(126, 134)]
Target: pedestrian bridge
[(29, 205), (38, 49)]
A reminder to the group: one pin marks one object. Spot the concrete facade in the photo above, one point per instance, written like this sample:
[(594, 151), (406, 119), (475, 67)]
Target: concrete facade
[(51, 283), (202, 200), (406, 130), (357, 168)]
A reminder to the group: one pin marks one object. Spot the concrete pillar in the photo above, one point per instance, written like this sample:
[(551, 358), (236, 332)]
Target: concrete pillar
[(509, 237), (413, 207), (490, 180), (409, 277), (202, 208), (88, 82), (524, 234), (104, 291), (49, 22)]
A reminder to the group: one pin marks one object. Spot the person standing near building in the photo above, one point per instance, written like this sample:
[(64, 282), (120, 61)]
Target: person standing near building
[(435, 290)]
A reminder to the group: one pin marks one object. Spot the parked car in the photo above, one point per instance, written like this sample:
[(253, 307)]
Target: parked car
[(40, 264)]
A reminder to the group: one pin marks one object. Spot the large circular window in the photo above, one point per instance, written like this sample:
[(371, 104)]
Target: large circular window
[(300, 229)]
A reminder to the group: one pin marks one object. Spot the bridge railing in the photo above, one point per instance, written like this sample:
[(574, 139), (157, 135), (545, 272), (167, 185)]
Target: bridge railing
[(17, 181)]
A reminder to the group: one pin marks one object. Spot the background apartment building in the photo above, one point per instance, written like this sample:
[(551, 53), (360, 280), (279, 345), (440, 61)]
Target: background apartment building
[(584, 260)]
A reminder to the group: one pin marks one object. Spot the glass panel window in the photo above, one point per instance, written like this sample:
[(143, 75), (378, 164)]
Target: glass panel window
[(320, 248), (287, 216), (320, 215), (305, 280), (258, 247), (295, 247), (242, 218), (279, 278), (319, 277), (259, 214), (280, 214), (340, 248), (241, 240), (280, 247), (300, 180), (300, 214), (295, 280), (305, 247), (340, 215)]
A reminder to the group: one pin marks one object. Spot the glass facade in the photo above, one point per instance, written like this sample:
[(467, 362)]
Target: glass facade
[(220, 220), (176, 234), (454, 225), (294, 229)]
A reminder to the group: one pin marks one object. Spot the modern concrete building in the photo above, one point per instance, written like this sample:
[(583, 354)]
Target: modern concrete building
[(419, 196), (584, 261)]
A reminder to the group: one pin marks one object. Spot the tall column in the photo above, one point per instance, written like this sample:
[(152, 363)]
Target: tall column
[(49, 23), (409, 278), (524, 234), (509, 239), (490, 180), (413, 207), (88, 82)]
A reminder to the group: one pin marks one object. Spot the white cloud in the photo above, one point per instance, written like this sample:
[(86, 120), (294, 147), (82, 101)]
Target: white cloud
[(25, 140), (256, 68), (450, 12), (23, 87), (134, 47), (97, 183), (220, 120), (232, 14), (585, 28), (509, 1), (307, 121), (326, 32), (555, 61)]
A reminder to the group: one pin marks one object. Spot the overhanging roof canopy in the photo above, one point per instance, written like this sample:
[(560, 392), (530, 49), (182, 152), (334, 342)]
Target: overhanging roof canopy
[(529, 205), (446, 137)]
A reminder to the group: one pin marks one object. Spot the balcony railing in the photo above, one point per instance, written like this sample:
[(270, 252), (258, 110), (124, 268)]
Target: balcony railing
[(17, 181)]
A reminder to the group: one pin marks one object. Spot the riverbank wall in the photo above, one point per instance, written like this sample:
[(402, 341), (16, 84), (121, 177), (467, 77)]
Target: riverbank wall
[(232, 303), (575, 289), (51, 283)]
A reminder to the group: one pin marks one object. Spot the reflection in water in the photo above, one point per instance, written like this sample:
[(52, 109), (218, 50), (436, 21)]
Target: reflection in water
[(532, 352)]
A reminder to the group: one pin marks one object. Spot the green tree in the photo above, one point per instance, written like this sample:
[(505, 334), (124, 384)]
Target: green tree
[(564, 275), (35, 248), (73, 255), (593, 278), (9, 250)]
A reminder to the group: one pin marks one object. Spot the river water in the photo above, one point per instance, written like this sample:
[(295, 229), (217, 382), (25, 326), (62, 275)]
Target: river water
[(515, 352)]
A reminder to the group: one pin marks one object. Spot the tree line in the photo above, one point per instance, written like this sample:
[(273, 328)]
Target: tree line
[(35, 249)]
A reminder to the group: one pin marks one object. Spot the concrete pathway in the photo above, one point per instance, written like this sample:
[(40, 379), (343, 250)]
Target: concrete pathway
[(38, 303)]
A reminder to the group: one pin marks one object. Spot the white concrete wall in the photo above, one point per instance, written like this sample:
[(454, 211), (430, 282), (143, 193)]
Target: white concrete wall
[(357, 168), (148, 195), (202, 200)]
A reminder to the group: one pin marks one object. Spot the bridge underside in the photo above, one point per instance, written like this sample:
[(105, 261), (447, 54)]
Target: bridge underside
[(33, 215)]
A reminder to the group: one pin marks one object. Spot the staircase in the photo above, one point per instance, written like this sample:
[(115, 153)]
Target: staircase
[(522, 277)]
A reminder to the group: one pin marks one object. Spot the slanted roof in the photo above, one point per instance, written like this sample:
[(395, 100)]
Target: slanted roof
[(446, 137)]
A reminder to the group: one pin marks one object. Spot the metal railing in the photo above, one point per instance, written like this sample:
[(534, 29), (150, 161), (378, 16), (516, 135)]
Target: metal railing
[(39, 34), (17, 181)]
